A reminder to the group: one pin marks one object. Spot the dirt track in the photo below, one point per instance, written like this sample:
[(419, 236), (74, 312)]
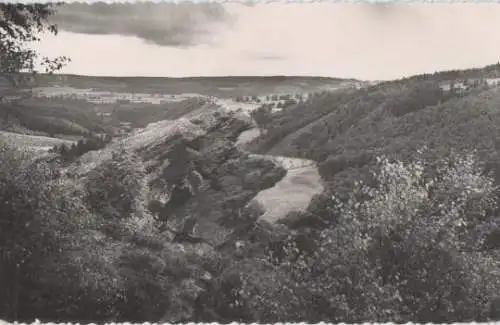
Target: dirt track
[(292, 193)]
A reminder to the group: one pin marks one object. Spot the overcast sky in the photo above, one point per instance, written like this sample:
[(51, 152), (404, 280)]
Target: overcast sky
[(364, 41)]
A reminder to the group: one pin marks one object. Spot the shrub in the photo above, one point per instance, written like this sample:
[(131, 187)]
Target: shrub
[(409, 235), (398, 251), (42, 217), (117, 189)]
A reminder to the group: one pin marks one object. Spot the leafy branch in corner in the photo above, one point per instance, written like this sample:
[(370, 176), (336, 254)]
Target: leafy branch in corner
[(21, 25)]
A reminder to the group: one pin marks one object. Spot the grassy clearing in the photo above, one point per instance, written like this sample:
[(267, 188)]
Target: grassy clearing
[(33, 142), (294, 192)]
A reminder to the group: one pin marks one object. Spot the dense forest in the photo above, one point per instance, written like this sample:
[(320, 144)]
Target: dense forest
[(417, 241)]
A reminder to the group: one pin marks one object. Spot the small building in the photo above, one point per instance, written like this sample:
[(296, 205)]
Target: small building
[(493, 82), (455, 86), (445, 86), (474, 82)]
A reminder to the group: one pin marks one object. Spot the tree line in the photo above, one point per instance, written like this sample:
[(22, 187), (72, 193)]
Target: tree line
[(81, 147)]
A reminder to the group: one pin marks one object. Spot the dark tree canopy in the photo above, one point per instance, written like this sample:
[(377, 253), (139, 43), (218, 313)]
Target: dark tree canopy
[(21, 25)]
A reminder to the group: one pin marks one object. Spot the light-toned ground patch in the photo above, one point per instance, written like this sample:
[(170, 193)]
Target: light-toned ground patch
[(292, 193), (230, 105), (162, 130), (96, 96), (152, 134), (247, 136), (32, 142)]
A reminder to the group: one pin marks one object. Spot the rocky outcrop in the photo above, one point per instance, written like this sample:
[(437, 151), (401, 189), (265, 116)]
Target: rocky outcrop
[(208, 179)]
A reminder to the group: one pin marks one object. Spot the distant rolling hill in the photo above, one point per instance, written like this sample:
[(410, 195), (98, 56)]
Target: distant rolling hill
[(81, 116), (345, 130), (229, 86)]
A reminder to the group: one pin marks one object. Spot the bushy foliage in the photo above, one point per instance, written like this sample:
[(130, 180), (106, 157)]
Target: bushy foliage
[(59, 259), (40, 215), (350, 121), (286, 122), (81, 147), (20, 26), (398, 252), (262, 116), (416, 97), (117, 189), (410, 231)]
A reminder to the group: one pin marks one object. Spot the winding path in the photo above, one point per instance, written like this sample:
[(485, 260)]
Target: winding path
[(294, 191)]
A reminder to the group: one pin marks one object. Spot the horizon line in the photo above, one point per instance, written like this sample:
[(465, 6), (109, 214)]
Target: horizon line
[(273, 75), (202, 76)]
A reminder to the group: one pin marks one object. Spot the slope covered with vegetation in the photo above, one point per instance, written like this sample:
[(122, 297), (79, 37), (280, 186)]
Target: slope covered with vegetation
[(159, 225), (438, 145), (401, 233), (121, 225), (344, 131)]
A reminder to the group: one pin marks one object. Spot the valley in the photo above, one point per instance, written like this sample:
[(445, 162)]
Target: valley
[(194, 163), (201, 188), (292, 194)]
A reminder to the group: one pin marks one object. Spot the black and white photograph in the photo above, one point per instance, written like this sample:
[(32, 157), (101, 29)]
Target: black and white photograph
[(249, 162)]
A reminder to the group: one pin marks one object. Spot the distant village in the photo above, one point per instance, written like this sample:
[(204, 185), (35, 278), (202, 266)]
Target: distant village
[(106, 97), (464, 86), (275, 102)]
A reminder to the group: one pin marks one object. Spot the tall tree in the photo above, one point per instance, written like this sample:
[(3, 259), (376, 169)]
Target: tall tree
[(21, 25), (24, 185)]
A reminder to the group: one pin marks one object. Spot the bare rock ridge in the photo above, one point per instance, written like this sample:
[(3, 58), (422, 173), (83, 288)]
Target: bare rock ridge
[(198, 166), (206, 177)]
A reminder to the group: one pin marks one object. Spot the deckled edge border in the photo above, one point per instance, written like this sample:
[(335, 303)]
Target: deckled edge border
[(248, 2), (236, 323)]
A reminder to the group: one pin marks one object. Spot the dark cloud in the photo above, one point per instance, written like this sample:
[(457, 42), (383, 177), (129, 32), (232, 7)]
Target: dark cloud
[(167, 24)]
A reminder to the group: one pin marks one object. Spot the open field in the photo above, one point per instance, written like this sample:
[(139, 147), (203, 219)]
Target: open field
[(32, 142), (294, 192), (223, 87)]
